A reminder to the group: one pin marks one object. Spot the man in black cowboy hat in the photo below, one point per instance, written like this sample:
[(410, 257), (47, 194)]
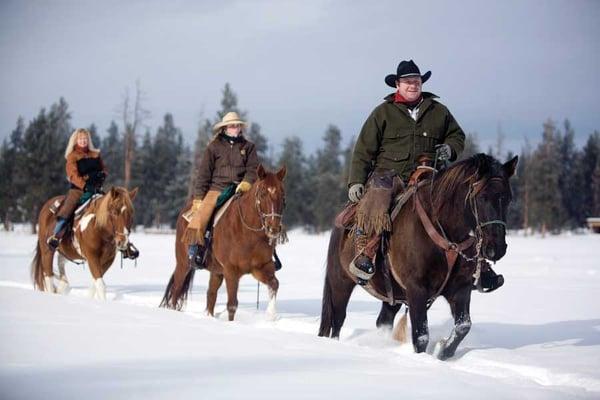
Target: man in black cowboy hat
[(409, 124)]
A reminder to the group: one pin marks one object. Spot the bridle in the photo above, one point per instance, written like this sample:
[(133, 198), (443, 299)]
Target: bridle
[(280, 236), (452, 249)]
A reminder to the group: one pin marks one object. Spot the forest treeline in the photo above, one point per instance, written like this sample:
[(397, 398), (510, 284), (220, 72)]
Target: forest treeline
[(557, 185)]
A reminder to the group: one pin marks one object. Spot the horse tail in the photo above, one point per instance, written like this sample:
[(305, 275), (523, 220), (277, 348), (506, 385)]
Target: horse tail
[(327, 312), (176, 295), (37, 272)]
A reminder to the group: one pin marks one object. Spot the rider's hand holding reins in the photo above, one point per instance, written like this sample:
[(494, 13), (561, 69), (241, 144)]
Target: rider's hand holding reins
[(444, 152), (243, 187), (196, 205), (355, 192)]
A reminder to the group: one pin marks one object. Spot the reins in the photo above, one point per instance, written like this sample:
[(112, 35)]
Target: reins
[(452, 249), (281, 237)]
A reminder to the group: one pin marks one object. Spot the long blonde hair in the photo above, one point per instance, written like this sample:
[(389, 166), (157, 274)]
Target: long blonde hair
[(73, 141)]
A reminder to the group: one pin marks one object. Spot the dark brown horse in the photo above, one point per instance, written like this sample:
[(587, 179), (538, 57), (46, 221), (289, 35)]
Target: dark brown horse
[(243, 243), (472, 195), (97, 234)]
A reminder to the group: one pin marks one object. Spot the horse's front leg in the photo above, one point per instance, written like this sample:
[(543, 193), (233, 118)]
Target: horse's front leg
[(232, 282), (98, 288), (417, 309), (459, 305), (214, 283), (266, 275)]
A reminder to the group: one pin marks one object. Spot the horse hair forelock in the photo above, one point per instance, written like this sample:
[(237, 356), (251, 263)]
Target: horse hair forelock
[(102, 212)]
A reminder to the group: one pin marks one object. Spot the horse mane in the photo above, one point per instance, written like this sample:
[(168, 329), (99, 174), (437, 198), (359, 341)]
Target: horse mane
[(447, 184), (102, 210)]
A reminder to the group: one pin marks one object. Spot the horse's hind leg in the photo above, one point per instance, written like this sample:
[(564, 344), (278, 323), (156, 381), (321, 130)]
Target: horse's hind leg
[(63, 282), (214, 283), (266, 275), (232, 283), (47, 258), (459, 304), (387, 315)]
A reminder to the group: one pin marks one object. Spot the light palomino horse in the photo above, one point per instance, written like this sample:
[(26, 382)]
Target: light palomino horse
[(244, 242), (96, 236)]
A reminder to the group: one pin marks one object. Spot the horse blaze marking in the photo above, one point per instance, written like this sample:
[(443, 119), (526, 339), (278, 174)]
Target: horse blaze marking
[(123, 209), (271, 190), (85, 221)]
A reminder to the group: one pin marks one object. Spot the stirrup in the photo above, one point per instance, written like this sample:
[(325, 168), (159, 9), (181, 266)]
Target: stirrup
[(196, 257), (53, 242), (488, 282), (364, 270)]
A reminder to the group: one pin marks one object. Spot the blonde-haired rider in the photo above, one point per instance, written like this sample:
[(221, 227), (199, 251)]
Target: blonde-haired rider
[(85, 172)]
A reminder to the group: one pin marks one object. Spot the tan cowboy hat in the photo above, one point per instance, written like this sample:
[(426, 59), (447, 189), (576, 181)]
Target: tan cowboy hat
[(231, 118)]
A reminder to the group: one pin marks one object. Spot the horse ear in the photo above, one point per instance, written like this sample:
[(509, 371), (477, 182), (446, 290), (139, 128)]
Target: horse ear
[(260, 171), (511, 166), (281, 173), (133, 193), (113, 192)]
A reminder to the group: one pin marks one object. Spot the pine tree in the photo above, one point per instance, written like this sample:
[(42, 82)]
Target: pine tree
[(595, 186), (42, 173), (567, 178), (177, 189), (329, 188), (262, 147), (297, 194), (547, 212), (589, 161), (10, 161), (94, 135), (145, 179), (112, 155), (167, 147)]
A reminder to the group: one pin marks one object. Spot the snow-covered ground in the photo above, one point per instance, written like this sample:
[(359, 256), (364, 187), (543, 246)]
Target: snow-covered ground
[(538, 337)]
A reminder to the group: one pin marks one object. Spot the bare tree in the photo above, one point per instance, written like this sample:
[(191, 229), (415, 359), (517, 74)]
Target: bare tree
[(133, 118)]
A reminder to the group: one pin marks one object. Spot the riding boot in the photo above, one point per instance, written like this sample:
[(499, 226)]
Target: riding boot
[(362, 265), (488, 279), (196, 256), (59, 231)]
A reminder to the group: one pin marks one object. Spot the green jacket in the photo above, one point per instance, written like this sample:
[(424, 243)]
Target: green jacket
[(392, 139)]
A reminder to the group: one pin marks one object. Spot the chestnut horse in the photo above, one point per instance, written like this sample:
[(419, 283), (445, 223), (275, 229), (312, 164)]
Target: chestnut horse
[(243, 243), (96, 235), (471, 195)]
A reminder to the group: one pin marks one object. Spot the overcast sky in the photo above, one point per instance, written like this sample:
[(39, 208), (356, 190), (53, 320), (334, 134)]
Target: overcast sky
[(299, 65)]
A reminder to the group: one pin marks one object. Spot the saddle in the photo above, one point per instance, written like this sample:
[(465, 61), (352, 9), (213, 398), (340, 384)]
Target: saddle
[(84, 202)]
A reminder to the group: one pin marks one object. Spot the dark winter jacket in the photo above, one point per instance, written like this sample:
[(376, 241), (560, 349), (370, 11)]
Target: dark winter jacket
[(224, 163), (392, 139), (82, 166)]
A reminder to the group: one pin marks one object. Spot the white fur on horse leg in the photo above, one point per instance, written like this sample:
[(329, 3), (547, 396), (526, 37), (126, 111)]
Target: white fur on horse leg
[(60, 259), (63, 285), (100, 289), (49, 284), (271, 309), (92, 291), (439, 348)]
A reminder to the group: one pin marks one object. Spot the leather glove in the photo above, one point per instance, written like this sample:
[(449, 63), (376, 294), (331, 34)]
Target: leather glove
[(355, 192), (243, 187), (196, 204), (444, 151)]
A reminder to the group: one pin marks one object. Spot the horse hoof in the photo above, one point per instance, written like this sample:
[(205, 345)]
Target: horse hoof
[(440, 352)]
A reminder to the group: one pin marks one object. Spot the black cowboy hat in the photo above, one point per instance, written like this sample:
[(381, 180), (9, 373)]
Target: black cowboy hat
[(406, 69)]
